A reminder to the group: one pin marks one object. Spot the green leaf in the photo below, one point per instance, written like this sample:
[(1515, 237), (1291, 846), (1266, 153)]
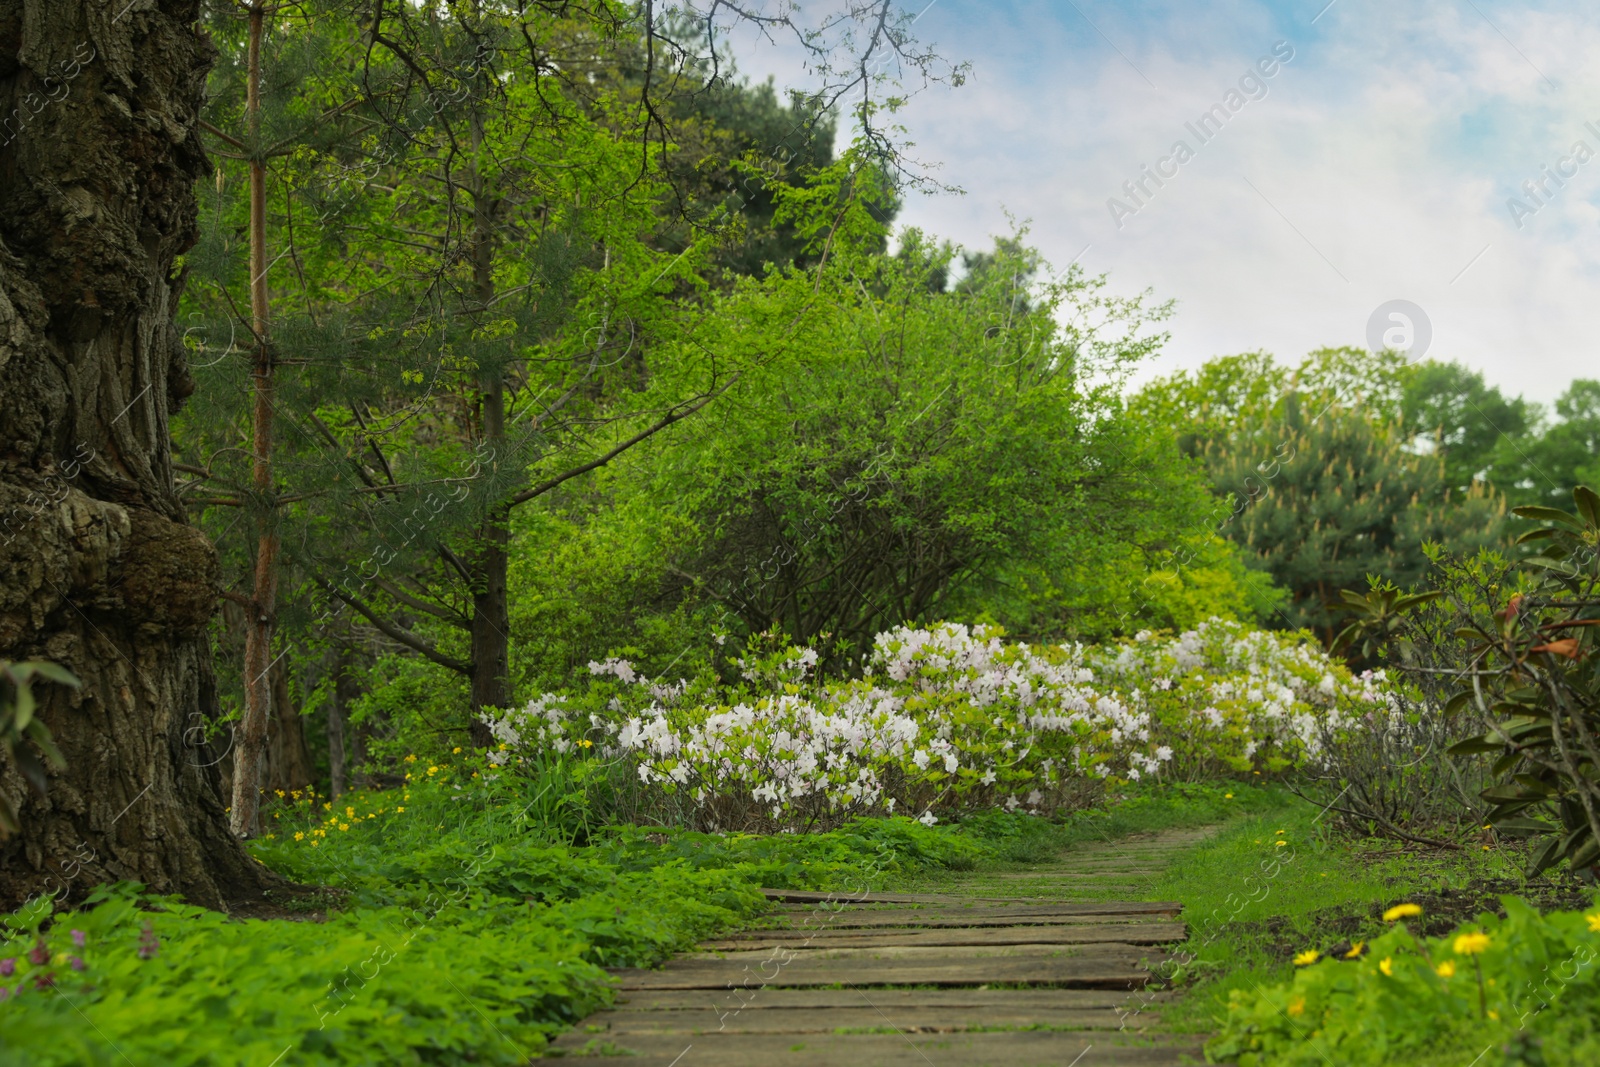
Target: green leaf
[(55, 672), (1539, 513), (23, 708), (1588, 505), (1544, 858), (1472, 746)]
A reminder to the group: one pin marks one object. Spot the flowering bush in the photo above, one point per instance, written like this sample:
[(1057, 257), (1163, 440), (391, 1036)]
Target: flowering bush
[(1226, 697), (1401, 994), (943, 718)]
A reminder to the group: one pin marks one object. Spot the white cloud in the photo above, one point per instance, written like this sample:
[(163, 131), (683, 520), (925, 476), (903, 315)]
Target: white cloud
[(1390, 143)]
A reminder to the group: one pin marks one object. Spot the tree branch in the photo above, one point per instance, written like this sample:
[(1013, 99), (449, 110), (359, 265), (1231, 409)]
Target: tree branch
[(393, 632), (666, 420)]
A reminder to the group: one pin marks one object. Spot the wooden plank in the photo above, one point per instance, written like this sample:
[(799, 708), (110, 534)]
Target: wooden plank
[(861, 1019), (784, 955), (1117, 967), (1074, 934), (807, 896), (1052, 913), (1028, 1048), (949, 999)]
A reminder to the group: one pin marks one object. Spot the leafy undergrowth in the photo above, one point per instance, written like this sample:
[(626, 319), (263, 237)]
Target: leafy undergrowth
[(455, 932), (1519, 989), (1272, 887)]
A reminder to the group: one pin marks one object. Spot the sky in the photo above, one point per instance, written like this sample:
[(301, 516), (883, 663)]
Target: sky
[(1377, 163)]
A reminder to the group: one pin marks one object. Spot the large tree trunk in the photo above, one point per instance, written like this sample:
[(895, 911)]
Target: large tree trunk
[(288, 758), (491, 606), (337, 784), (102, 573)]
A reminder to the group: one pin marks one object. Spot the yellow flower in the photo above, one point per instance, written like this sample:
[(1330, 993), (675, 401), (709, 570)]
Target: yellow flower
[(316, 844), (279, 792), (401, 810), (433, 770), (1227, 796), (456, 750), (1594, 922), (1401, 911), (1280, 844), (474, 774), (1471, 944), (344, 826), (411, 759), (1446, 969), (327, 807), (503, 747), (1355, 950), (1306, 958), (1280, 833), (349, 811), (1495, 1016), (586, 743), (299, 835), (1297, 1006), (1386, 965)]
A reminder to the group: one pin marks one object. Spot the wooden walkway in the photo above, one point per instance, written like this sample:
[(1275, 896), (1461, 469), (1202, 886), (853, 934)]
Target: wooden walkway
[(1033, 969)]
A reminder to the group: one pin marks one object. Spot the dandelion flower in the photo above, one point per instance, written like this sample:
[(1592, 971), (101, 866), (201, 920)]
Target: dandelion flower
[(1594, 922), (456, 751), (1401, 911), (1471, 944), (1280, 844), (1306, 958), (1227, 796), (1386, 965), (1446, 969), (1355, 950)]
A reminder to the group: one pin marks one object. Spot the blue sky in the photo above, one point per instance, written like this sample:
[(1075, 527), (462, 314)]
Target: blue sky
[(1374, 165)]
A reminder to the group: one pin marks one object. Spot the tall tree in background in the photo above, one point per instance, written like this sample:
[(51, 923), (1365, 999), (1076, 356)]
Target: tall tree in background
[(102, 574), (1330, 470)]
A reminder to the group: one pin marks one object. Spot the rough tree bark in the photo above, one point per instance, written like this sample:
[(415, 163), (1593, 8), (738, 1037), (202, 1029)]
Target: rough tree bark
[(100, 571), (287, 762)]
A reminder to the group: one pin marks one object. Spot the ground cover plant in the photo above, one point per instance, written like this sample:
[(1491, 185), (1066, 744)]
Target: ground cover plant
[(445, 918)]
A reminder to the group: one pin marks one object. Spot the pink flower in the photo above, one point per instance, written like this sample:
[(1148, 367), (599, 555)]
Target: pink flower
[(40, 953), (77, 963), (8, 967), (79, 937), (149, 943)]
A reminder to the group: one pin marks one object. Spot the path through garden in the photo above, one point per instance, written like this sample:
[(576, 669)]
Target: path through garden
[(1019, 968)]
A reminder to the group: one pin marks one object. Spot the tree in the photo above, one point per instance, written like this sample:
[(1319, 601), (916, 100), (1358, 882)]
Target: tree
[(1462, 420), (1338, 499), (1542, 468), (101, 572), (929, 442)]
